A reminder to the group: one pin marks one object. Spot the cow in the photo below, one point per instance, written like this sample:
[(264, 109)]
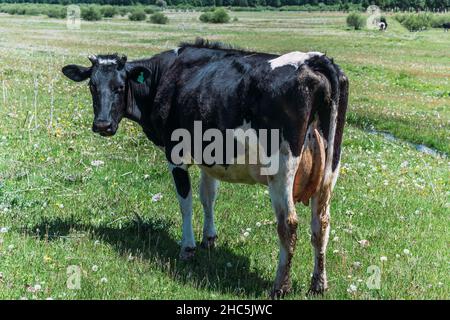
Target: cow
[(446, 26), (303, 96), (382, 25)]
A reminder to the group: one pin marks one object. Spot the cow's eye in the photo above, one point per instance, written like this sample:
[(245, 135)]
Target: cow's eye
[(119, 89)]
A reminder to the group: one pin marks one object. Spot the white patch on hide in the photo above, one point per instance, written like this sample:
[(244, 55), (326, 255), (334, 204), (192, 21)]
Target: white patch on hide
[(294, 59)]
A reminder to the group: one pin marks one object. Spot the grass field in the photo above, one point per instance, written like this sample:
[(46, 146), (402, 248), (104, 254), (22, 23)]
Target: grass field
[(71, 198)]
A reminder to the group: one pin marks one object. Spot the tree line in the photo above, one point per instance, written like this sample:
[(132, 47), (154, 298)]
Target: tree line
[(404, 5)]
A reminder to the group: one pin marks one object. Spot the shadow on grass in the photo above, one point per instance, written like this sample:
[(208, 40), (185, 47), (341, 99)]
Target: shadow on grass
[(149, 239)]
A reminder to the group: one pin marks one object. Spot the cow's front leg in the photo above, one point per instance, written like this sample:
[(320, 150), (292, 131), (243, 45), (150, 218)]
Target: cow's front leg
[(208, 193), (280, 188), (184, 193)]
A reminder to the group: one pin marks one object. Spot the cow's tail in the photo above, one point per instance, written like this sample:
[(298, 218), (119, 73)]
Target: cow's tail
[(331, 111)]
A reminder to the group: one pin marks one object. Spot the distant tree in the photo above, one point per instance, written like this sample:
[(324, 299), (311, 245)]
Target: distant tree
[(125, 6), (108, 11), (91, 13), (137, 15), (355, 20), (219, 15), (274, 3), (159, 18), (161, 3)]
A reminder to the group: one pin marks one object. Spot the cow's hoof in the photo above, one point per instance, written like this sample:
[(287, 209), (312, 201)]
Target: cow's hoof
[(187, 253), (209, 242), (278, 294), (318, 286)]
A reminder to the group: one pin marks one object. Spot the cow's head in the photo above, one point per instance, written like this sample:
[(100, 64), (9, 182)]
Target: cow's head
[(109, 83)]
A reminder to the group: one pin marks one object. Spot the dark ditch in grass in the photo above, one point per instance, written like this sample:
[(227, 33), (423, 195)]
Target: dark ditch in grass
[(419, 147), (415, 134)]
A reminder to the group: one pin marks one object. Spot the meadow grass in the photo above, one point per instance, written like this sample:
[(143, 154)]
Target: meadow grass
[(69, 197)]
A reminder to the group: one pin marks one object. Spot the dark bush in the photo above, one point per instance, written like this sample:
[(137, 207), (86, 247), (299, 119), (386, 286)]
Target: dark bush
[(206, 17), (161, 3), (149, 10), (159, 18), (123, 11), (90, 13), (356, 20), (57, 13), (415, 22), (217, 16), (32, 11), (108, 11), (137, 15)]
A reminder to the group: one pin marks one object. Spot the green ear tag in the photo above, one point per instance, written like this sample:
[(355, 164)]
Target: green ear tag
[(141, 79)]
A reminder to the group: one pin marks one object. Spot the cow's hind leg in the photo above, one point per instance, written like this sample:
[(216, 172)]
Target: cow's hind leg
[(280, 188), (320, 230), (208, 193), (184, 193)]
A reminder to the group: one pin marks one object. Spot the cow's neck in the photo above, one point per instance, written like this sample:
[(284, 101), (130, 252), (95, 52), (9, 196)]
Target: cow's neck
[(140, 100)]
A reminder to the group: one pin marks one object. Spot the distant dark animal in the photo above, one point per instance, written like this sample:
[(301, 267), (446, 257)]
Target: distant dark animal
[(303, 95), (382, 25), (446, 26)]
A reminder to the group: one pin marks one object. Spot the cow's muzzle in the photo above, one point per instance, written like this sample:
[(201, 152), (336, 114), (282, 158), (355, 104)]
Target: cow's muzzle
[(104, 128)]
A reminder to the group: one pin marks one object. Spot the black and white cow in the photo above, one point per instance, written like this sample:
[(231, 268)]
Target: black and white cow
[(446, 26), (303, 95), (382, 25)]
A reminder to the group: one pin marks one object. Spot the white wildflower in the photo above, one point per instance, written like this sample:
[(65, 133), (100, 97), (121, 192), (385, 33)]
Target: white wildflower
[(157, 197), (97, 163), (352, 288), (363, 243)]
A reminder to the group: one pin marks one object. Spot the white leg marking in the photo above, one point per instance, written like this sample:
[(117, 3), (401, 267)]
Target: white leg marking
[(280, 189), (188, 239), (208, 193)]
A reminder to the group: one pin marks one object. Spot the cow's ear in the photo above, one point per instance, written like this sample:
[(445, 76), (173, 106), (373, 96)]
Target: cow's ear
[(76, 73), (139, 74)]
